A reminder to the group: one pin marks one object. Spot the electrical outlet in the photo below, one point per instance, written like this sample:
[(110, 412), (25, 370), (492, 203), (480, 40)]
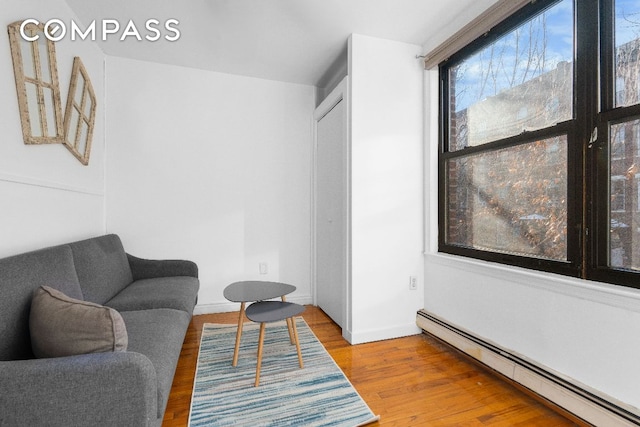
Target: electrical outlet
[(413, 283), (263, 267)]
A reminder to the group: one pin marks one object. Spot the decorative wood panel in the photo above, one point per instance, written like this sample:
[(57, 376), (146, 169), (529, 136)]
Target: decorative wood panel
[(36, 75), (80, 113)]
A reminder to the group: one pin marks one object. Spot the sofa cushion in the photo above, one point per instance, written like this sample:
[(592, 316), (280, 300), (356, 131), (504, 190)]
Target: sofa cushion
[(102, 267), (158, 334), (179, 293), (20, 276), (63, 326)]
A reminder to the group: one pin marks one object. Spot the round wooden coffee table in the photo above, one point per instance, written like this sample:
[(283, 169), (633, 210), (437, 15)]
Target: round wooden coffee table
[(255, 290)]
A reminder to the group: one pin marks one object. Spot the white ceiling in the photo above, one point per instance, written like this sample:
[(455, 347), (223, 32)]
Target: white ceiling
[(295, 41)]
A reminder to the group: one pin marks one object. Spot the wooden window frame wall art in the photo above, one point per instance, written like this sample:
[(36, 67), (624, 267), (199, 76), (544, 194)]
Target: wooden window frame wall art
[(80, 113), (36, 76)]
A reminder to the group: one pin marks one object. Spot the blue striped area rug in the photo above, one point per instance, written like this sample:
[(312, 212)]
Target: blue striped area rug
[(317, 395)]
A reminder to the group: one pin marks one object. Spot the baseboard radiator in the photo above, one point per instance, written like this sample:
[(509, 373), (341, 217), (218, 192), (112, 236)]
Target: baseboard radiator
[(586, 404)]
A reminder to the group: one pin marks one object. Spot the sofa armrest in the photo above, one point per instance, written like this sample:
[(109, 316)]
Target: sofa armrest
[(149, 269), (107, 389)]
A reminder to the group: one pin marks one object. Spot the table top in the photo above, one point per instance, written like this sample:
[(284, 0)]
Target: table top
[(272, 311), (256, 290)]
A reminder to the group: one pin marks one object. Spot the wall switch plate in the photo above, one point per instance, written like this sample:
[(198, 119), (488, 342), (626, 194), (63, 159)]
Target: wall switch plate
[(413, 283)]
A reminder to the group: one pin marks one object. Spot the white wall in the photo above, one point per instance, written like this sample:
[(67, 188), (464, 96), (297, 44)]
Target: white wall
[(585, 330), (48, 197), (386, 188), (214, 168)]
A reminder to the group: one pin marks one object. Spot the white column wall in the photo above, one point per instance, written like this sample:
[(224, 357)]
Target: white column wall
[(386, 188)]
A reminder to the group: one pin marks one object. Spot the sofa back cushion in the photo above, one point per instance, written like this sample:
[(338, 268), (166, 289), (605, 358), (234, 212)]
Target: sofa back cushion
[(20, 276), (102, 267)]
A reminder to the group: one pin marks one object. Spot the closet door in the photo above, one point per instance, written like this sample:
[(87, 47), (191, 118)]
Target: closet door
[(331, 214)]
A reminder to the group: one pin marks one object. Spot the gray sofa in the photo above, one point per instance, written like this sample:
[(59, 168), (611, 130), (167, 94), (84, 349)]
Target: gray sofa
[(115, 388)]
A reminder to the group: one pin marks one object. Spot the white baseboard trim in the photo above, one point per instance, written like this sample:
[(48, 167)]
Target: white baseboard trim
[(371, 335), (218, 307), (226, 306), (579, 399)]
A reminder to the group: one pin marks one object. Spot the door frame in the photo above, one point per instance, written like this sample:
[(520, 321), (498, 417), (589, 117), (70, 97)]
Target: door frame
[(339, 93)]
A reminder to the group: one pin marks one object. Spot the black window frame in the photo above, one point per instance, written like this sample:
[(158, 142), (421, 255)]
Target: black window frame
[(587, 160), (598, 157)]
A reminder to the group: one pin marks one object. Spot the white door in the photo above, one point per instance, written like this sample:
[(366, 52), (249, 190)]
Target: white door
[(330, 215)]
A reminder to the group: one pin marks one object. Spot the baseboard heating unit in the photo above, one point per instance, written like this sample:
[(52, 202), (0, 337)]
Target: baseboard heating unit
[(576, 398)]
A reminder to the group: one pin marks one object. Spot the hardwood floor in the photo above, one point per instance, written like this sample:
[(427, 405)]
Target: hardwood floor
[(412, 381)]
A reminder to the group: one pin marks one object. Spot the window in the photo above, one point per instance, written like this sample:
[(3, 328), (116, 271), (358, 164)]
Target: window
[(615, 247), (538, 159)]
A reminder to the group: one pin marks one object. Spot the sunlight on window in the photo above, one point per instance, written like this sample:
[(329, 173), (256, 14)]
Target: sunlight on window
[(624, 215), (627, 46), (521, 82), (512, 200)]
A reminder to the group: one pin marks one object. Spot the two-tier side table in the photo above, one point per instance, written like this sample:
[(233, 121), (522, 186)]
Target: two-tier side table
[(250, 291)]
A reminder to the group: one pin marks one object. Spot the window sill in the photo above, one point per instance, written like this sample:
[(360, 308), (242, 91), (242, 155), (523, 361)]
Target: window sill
[(602, 293)]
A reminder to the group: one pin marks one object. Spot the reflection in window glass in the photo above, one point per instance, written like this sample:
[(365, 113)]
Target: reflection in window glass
[(617, 150), (624, 215), (618, 199), (521, 82), (627, 43), (512, 200)]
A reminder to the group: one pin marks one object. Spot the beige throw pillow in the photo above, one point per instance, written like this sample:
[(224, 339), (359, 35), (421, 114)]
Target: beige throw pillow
[(64, 326)]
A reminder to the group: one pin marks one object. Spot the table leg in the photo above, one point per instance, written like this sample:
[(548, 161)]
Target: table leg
[(289, 324), (238, 335), (295, 334), (260, 342)]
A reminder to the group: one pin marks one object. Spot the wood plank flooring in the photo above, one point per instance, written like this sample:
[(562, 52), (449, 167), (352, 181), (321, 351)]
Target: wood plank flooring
[(412, 381)]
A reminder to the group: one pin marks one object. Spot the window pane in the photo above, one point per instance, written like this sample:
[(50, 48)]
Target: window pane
[(627, 43), (512, 200), (521, 82), (624, 175)]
